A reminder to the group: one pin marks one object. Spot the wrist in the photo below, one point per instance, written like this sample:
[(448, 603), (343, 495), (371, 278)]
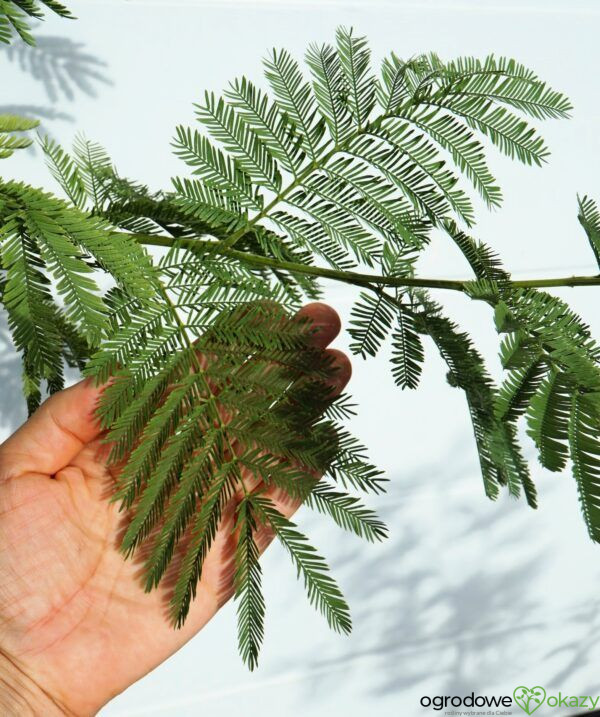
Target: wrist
[(21, 696)]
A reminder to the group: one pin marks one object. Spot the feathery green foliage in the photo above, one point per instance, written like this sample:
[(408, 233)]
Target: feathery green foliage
[(322, 589), (585, 452), (407, 355), (9, 142), (247, 582), (589, 218), (46, 244), (14, 16), (217, 397)]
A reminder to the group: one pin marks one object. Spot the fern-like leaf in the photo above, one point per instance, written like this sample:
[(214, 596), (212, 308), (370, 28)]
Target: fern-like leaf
[(347, 511), (66, 172), (584, 443), (370, 322), (589, 218), (354, 57), (321, 588), (9, 124), (247, 585), (548, 417), (407, 355)]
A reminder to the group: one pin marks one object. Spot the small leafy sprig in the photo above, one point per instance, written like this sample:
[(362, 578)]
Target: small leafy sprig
[(211, 385), (15, 16)]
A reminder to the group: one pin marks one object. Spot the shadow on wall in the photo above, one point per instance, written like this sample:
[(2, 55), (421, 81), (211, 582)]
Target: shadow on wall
[(64, 69), (13, 410), (576, 655), (61, 65), (37, 111), (12, 404), (429, 628), (447, 599)]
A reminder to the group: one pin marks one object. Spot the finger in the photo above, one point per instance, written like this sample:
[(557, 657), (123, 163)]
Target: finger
[(323, 324), (341, 371), (55, 433), (286, 504), (324, 321)]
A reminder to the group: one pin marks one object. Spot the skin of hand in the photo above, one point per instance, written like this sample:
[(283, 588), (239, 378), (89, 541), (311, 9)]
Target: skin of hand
[(76, 627)]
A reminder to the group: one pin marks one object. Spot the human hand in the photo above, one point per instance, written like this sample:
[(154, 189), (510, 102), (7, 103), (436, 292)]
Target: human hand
[(76, 627)]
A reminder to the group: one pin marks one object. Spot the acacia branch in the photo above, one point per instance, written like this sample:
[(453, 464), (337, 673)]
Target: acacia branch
[(351, 277)]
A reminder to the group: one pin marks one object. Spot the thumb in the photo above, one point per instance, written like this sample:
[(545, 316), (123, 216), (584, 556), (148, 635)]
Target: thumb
[(55, 433)]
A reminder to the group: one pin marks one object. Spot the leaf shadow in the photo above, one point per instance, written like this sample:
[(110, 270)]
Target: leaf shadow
[(61, 65), (37, 111), (13, 408), (12, 403), (65, 70), (573, 656), (419, 620)]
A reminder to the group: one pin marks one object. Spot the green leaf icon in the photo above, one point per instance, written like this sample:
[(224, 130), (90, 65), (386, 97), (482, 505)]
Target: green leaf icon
[(529, 698)]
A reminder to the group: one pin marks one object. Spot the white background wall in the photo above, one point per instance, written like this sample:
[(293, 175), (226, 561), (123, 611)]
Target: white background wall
[(466, 595)]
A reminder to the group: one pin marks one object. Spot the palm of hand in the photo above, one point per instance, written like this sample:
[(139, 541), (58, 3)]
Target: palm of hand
[(73, 610), (73, 615)]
